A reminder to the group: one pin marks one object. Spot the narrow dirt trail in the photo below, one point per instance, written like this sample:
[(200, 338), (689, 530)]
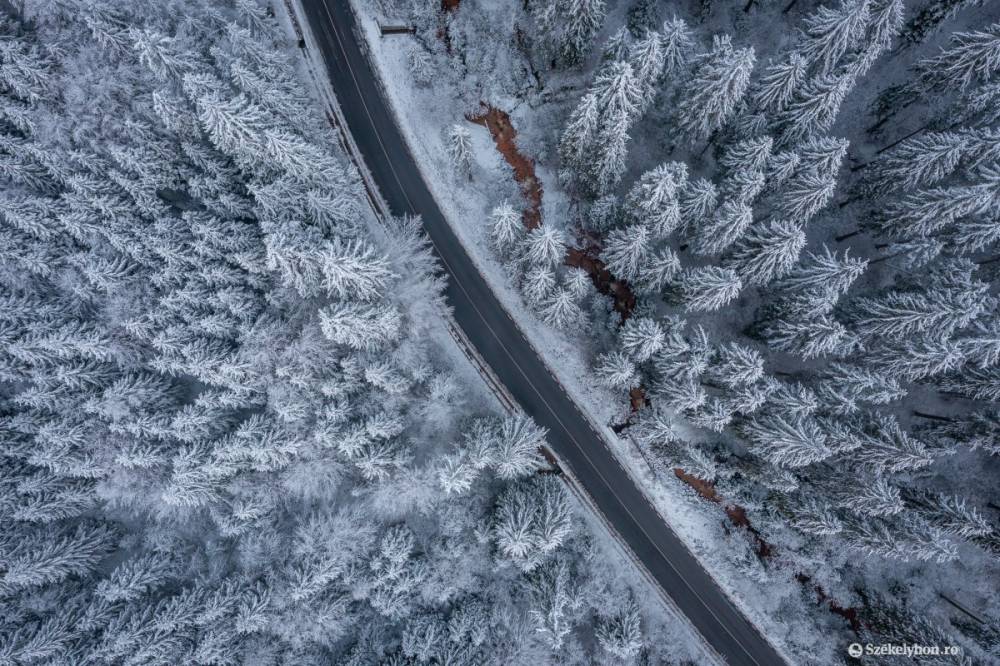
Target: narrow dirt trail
[(737, 514), (587, 256), (505, 137)]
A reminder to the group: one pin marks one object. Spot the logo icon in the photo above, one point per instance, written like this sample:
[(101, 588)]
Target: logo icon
[(854, 649)]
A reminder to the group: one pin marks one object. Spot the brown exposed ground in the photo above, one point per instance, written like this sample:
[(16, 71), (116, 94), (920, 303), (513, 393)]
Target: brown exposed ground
[(849, 614), (504, 135), (737, 515), (637, 399), (450, 5), (505, 138), (589, 260)]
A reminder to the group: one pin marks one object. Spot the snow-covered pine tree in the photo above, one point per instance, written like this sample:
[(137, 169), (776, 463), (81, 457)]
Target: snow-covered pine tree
[(657, 271), (809, 337), (460, 150), (970, 56), (814, 106), (697, 201), (677, 45), (581, 20), (920, 161), (786, 442), (506, 229), (625, 251), (831, 33), (774, 90), (708, 288), (641, 338), (616, 370), (648, 61), (544, 246), (621, 634), (562, 311), (710, 97), (653, 200), (726, 225), (767, 252), (538, 284), (937, 311), (821, 271)]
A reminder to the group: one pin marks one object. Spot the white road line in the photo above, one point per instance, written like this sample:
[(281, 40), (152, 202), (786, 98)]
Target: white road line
[(520, 370)]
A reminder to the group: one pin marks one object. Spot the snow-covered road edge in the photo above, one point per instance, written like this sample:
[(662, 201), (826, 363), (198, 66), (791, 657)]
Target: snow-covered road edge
[(327, 97)]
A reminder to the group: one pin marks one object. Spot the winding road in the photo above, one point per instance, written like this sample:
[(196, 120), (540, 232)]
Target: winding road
[(503, 346)]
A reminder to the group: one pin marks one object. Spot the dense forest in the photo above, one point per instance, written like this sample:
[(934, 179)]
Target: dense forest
[(230, 433), (789, 213)]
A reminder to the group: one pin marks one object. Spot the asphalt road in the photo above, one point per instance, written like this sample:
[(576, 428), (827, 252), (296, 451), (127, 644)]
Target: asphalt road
[(503, 346)]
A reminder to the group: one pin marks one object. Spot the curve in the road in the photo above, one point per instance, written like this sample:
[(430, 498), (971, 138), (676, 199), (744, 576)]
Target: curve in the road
[(503, 346)]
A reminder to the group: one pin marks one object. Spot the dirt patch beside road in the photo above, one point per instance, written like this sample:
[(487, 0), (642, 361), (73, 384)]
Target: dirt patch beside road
[(737, 514), (588, 258), (505, 138)]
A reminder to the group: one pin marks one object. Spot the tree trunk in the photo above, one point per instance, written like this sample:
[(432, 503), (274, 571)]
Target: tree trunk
[(789, 6), (899, 141), (932, 417), (708, 144), (879, 260), (746, 7), (644, 457), (841, 238), (849, 200), (882, 121)]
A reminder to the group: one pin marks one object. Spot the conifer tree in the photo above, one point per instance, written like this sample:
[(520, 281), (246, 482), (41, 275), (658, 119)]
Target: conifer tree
[(767, 252), (677, 45), (725, 227), (460, 150), (776, 86), (810, 337), (649, 61), (830, 33), (616, 370), (582, 19), (625, 251), (697, 201), (562, 311), (653, 200), (814, 107), (710, 97), (621, 634), (544, 246), (786, 442), (641, 338), (970, 56), (506, 230), (708, 288), (658, 271)]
